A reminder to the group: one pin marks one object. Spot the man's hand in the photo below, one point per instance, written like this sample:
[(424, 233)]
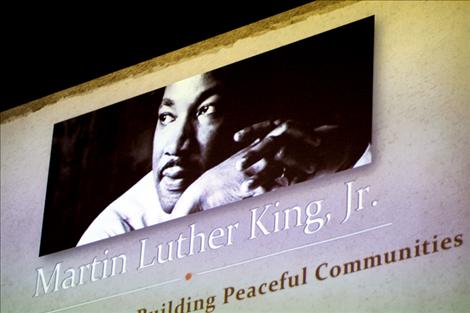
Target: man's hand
[(287, 149), (219, 185), (277, 154)]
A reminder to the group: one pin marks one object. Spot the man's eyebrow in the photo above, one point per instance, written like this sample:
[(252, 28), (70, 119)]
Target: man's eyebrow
[(217, 89), (204, 95), (166, 102)]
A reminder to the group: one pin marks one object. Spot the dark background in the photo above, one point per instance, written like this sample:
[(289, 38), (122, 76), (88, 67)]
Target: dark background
[(325, 79), (47, 48)]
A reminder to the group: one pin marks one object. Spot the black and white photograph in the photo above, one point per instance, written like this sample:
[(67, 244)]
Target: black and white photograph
[(286, 116)]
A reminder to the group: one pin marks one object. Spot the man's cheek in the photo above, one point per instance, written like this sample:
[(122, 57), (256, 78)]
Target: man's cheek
[(156, 157)]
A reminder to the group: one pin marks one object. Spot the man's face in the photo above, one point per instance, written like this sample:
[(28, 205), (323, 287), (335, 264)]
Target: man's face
[(188, 135)]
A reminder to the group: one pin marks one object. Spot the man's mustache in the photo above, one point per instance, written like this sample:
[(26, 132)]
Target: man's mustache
[(183, 162)]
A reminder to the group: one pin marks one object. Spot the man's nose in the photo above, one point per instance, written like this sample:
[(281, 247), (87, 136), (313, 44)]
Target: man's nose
[(182, 136)]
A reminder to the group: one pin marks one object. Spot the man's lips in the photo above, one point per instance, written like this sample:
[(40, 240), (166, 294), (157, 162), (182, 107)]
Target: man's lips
[(177, 178), (176, 171)]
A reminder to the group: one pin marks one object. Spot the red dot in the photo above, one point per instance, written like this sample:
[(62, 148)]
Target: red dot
[(188, 276)]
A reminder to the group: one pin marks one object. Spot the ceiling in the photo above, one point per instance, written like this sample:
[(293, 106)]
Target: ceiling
[(49, 50)]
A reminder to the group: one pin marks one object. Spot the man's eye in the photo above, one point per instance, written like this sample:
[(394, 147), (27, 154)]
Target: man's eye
[(166, 118), (205, 110)]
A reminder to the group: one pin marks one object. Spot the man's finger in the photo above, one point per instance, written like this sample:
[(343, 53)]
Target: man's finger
[(264, 148), (261, 173), (302, 158), (266, 177), (254, 131)]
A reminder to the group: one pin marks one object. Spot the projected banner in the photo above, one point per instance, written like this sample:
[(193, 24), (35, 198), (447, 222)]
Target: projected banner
[(280, 118), (324, 159)]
